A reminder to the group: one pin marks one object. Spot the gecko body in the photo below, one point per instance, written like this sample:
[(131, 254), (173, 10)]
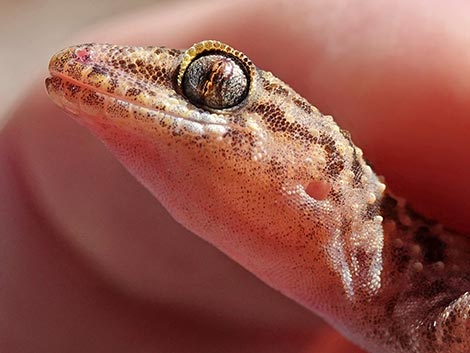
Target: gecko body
[(240, 159)]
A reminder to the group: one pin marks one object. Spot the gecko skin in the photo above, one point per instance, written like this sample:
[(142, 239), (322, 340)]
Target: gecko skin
[(243, 161)]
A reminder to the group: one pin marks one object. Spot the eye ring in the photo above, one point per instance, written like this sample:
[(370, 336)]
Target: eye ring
[(214, 76)]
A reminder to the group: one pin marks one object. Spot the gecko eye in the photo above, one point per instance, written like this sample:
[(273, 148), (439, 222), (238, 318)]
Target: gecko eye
[(215, 81), (215, 76)]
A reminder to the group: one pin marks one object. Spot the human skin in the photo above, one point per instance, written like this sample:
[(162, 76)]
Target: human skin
[(91, 262)]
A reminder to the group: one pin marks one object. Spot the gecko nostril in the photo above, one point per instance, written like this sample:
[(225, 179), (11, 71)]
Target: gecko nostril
[(82, 54)]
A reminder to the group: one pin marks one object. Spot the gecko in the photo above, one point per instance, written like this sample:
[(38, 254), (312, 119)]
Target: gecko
[(243, 161)]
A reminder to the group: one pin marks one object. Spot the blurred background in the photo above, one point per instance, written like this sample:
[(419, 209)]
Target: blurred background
[(32, 30)]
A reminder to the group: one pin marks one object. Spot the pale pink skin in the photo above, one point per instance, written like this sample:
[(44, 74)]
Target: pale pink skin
[(72, 279)]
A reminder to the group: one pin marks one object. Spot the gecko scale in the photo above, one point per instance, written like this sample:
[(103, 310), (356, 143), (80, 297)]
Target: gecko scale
[(243, 161)]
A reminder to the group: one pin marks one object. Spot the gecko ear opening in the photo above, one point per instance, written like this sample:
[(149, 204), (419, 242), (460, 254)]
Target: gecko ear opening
[(318, 190)]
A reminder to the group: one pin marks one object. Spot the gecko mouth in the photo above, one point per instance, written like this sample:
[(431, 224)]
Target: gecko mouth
[(91, 103)]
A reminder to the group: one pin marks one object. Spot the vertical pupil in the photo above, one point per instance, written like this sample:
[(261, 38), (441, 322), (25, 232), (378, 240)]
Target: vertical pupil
[(215, 81)]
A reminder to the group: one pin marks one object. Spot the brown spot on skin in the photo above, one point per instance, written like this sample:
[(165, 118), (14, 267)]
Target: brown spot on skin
[(74, 70), (93, 99), (276, 121), (98, 70), (277, 168), (133, 91), (113, 83), (72, 89), (336, 196), (304, 105), (346, 227), (276, 89), (335, 162), (242, 143), (239, 120), (357, 171), (433, 247), (132, 68), (356, 166), (388, 208), (54, 83), (372, 210), (401, 258), (173, 52), (274, 117)]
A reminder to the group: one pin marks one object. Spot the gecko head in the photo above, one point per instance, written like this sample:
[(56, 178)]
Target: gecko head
[(226, 147), (209, 99)]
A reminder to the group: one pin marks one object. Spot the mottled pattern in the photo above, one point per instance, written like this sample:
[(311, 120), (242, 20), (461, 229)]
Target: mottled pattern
[(248, 180)]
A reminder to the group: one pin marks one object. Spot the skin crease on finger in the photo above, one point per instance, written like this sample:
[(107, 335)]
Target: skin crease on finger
[(404, 105)]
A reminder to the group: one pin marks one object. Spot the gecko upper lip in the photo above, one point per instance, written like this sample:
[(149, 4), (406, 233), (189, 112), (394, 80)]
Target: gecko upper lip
[(198, 116)]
